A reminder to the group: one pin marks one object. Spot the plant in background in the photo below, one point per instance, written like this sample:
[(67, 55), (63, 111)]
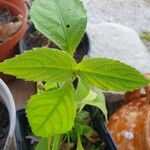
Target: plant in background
[(145, 35), (57, 112)]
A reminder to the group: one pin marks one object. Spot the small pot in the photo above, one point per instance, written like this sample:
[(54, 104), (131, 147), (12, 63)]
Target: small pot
[(16, 7), (7, 99), (84, 45), (98, 124)]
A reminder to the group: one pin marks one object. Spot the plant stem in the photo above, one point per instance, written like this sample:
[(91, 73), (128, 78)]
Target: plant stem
[(49, 143), (68, 140), (55, 145)]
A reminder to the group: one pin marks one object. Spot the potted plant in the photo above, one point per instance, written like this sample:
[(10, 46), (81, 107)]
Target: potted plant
[(13, 21), (7, 118), (56, 113)]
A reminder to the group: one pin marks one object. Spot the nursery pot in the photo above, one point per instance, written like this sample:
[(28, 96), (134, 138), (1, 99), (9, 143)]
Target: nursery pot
[(23, 127), (16, 7), (7, 99), (81, 51), (98, 124)]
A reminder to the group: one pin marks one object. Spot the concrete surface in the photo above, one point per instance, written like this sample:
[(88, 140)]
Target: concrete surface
[(131, 13)]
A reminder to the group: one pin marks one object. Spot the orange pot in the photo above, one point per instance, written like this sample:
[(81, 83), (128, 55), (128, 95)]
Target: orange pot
[(7, 48), (16, 7), (130, 125)]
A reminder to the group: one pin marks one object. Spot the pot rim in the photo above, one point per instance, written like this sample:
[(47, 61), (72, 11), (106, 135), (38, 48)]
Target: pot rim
[(8, 100)]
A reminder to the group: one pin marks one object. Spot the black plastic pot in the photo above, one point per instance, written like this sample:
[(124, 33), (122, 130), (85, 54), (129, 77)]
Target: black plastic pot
[(100, 127), (98, 124), (79, 54), (21, 132)]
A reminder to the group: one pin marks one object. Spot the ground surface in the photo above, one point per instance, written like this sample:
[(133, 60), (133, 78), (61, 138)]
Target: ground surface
[(132, 13)]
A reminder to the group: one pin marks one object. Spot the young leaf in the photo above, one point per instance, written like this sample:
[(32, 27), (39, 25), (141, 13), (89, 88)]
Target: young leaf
[(82, 90), (95, 99), (50, 86), (90, 97), (40, 64), (51, 113), (111, 75), (99, 101), (63, 21), (42, 145)]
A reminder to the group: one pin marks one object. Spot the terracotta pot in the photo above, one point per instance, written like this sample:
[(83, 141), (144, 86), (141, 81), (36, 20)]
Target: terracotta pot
[(7, 48), (130, 125), (16, 7)]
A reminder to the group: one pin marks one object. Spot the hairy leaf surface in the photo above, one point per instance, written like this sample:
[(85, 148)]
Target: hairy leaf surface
[(52, 113), (63, 21), (111, 75), (40, 64)]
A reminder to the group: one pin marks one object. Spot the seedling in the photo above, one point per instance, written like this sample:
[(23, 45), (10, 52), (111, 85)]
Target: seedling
[(57, 112)]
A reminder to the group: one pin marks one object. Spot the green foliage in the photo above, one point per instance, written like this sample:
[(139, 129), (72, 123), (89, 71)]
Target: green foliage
[(146, 35), (63, 21), (82, 91), (52, 113), (42, 145), (41, 64), (95, 99), (57, 109), (110, 75), (55, 145), (50, 86)]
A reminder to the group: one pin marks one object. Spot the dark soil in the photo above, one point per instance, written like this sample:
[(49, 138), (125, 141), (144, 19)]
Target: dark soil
[(6, 17), (4, 125), (37, 39)]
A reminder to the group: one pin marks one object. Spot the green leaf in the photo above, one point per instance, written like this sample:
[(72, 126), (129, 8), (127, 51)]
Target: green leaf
[(95, 99), (111, 75), (63, 21), (42, 145), (40, 64), (50, 86), (53, 112), (79, 144), (90, 97), (82, 90)]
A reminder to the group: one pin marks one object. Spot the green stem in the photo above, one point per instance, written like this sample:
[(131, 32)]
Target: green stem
[(55, 145), (49, 143), (68, 140)]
